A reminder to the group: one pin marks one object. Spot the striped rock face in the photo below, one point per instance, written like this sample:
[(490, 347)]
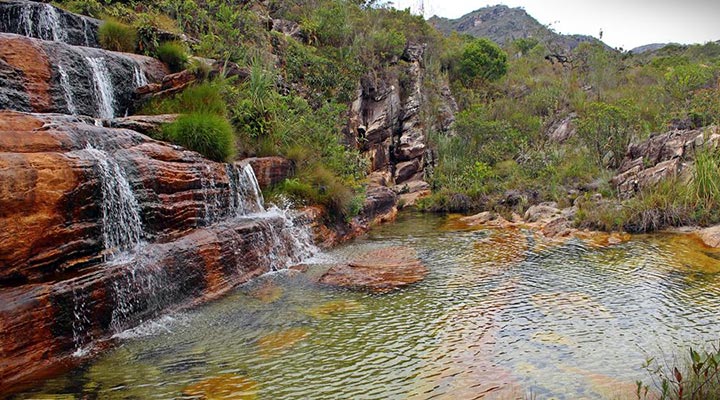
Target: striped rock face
[(46, 76), (102, 228)]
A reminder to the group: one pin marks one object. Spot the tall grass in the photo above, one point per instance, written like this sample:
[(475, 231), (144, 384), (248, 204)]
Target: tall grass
[(208, 134), (116, 36), (206, 97), (174, 55)]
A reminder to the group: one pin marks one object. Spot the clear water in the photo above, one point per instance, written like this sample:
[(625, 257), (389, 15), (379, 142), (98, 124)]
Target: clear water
[(501, 315)]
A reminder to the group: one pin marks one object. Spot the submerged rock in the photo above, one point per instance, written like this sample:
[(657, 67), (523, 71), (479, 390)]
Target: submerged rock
[(226, 386), (381, 270)]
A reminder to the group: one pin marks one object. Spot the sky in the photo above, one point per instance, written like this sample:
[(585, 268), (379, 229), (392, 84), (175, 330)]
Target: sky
[(625, 23)]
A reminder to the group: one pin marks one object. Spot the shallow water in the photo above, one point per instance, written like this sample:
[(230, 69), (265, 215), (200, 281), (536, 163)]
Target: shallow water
[(501, 314)]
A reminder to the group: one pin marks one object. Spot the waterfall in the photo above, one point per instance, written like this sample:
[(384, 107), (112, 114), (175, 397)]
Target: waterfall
[(48, 22), (104, 91), (121, 222), (67, 90), (85, 32), (246, 196), (81, 325), (139, 77)]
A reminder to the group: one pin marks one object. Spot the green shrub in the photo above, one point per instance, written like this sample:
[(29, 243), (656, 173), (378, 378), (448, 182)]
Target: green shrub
[(174, 55), (696, 376), (607, 130), (116, 36), (91, 8), (208, 134), (482, 60), (205, 98)]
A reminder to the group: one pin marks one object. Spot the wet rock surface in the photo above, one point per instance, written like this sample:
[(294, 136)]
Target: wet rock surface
[(47, 22), (271, 170), (381, 270), (104, 228), (53, 77)]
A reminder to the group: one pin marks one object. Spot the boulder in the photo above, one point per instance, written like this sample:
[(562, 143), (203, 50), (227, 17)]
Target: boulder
[(382, 270), (563, 130)]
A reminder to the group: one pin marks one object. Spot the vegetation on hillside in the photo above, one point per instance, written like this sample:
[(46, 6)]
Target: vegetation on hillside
[(501, 155), (504, 157)]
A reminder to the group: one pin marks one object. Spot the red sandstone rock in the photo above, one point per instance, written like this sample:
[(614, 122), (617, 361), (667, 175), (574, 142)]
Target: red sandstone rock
[(25, 55), (270, 170), (381, 270)]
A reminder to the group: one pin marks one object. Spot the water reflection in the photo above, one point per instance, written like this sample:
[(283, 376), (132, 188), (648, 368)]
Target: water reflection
[(502, 314)]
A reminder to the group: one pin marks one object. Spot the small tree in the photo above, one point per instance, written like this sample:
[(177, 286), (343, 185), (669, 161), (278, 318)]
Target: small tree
[(482, 60)]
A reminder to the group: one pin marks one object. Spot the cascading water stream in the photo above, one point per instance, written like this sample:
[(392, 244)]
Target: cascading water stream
[(48, 25), (67, 90), (104, 90), (121, 222)]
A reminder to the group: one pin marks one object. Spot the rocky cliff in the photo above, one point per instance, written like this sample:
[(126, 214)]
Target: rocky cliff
[(387, 126)]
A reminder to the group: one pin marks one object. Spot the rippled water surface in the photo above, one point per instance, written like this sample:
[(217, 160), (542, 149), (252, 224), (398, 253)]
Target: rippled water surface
[(502, 314)]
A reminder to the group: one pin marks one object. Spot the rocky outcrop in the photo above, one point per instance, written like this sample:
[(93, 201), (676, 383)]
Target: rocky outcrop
[(151, 125), (53, 171), (105, 227), (661, 157), (386, 124), (47, 22), (175, 83), (563, 129), (52, 77), (382, 270), (271, 170)]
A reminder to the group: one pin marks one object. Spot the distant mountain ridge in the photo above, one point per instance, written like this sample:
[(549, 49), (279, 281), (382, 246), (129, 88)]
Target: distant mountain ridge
[(503, 25)]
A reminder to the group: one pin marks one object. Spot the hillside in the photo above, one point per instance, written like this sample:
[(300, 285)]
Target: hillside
[(503, 24)]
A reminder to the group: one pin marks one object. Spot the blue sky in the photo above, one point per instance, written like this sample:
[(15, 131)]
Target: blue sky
[(625, 23)]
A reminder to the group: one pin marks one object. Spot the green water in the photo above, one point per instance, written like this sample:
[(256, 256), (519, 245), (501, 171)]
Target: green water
[(500, 314)]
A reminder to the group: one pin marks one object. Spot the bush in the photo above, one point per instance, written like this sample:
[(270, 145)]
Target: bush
[(482, 60), (607, 130), (91, 8), (174, 55), (116, 36), (208, 134)]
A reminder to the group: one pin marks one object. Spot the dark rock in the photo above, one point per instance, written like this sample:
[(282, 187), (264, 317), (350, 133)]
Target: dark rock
[(406, 171), (56, 77), (379, 202), (47, 22)]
